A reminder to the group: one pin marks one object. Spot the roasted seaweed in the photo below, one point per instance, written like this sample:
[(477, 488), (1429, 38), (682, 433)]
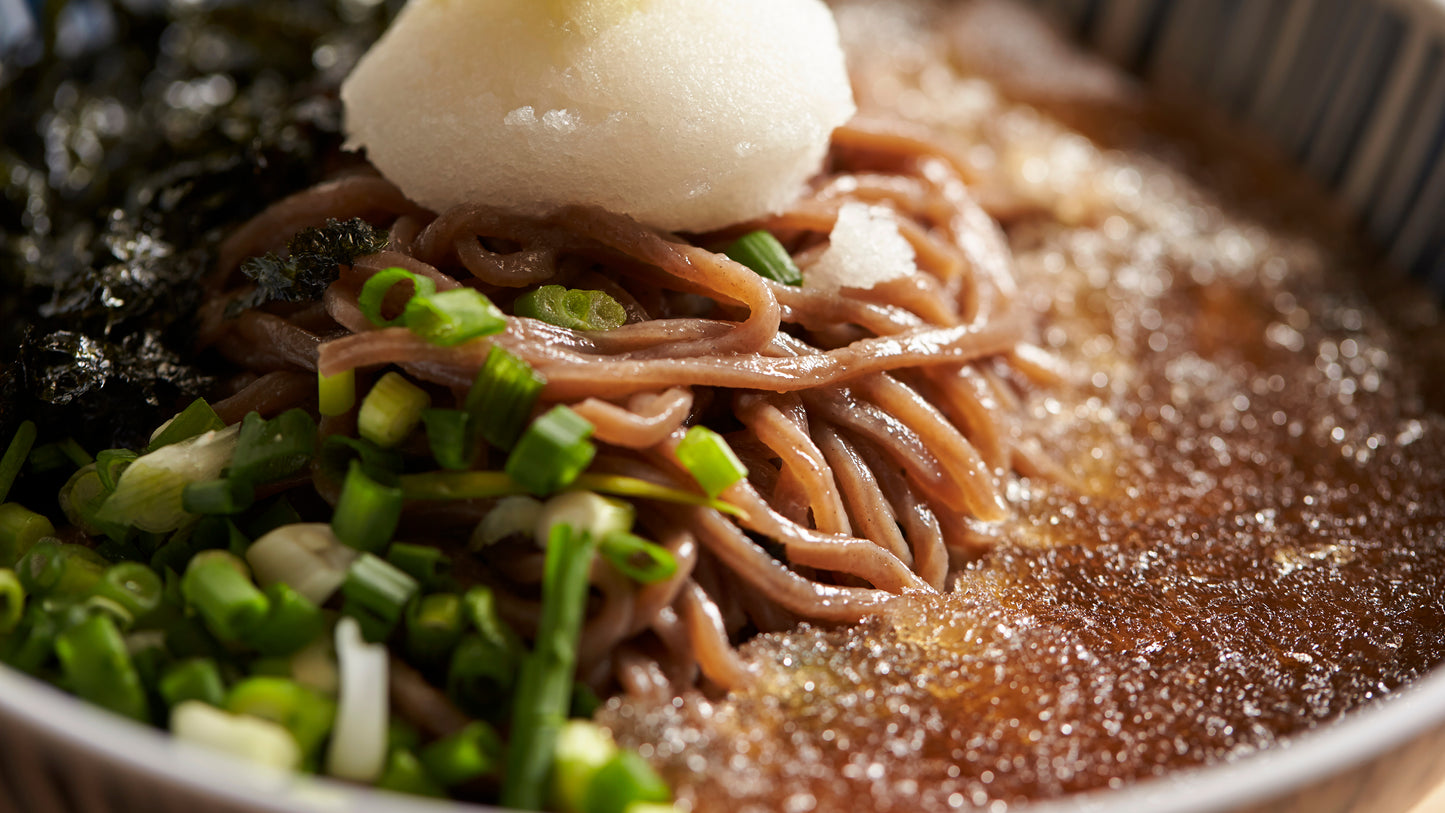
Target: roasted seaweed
[(313, 259), (129, 146)]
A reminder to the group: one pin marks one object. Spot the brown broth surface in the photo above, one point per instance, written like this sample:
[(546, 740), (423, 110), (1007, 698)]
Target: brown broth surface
[(1252, 543)]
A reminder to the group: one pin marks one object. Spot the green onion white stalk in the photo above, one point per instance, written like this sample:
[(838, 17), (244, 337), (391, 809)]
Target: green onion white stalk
[(358, 742), (250, 738), (306, 556), (149, 492)]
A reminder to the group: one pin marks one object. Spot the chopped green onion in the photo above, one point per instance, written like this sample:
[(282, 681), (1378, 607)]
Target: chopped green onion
[(229, 495), (474, 752), (193, 679), (571, 308), (304, 712), (250, 738), (150, 493), (433, 628), (15, 456), (358, 741), (196, 419), (404, 774), (449, 433), (475, 485), (81, 497), (481, 609), (12, 601), (336, 394), (585, 512), (20, 529), (367, 512), (710, 460), (54, 569), (305, 556), (624, 781), (98, 668), (545, 684), (391, 410), (552, 452), (583, 747), (219, 586), (269, 450), (377, 586), (451, 317), (292, 623), (638, 559), (110, 463), (374, 292), (761, 251), (133, 587), (502, 396), (74, 452), (428, 565), (511, 516)]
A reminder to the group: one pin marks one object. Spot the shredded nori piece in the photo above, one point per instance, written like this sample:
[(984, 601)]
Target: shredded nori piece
[(127, 152), (313, 258)]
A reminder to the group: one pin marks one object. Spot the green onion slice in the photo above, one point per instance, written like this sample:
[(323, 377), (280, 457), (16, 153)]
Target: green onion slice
[(642, 561), (20, 529), (552, 452), (391, 410), (474, 752), (193, 679), (98, 667), (502, 397), (761, 251), (710, 460), (571, 308), (367, 512), (111, 463), (336, 394), (379, 587), (449, 318), (374, 292), (219, 586), (449, 433)]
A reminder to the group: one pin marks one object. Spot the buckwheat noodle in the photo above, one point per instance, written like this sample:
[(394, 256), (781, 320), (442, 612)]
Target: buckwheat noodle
[(877, 425)]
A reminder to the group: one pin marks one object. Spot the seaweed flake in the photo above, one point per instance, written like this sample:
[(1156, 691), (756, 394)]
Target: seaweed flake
[(313, 259), (107, 392)]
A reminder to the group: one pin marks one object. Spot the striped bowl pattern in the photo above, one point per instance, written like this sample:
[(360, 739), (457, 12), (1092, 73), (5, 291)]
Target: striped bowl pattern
[(1354, 90)]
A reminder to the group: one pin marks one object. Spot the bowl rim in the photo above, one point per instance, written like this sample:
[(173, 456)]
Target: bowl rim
[(1351, 741)]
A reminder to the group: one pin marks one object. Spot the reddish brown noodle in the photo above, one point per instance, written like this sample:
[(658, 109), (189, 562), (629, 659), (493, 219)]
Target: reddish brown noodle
[(876, 430)]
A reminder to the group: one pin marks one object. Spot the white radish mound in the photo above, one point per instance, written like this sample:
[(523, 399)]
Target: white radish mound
[(688, 115)]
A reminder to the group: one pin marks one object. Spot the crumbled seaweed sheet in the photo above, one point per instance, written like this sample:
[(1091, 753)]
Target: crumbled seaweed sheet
[(313, 259), (131, 142)]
